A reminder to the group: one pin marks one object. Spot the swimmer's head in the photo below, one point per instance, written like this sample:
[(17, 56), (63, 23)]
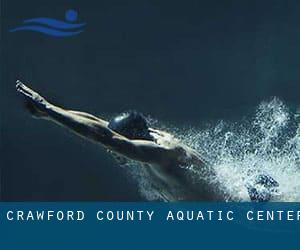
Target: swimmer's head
[(132, 125)]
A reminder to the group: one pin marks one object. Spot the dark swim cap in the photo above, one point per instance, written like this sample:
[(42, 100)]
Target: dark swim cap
[(132, 125)]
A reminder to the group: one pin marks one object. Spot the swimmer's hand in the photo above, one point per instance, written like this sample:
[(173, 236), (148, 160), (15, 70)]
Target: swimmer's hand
[(35, 103)]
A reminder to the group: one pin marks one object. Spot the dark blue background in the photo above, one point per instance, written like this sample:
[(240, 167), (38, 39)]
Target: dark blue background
[(182, 62)]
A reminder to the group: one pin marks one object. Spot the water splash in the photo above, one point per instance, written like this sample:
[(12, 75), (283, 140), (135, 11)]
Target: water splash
[(267, 142)]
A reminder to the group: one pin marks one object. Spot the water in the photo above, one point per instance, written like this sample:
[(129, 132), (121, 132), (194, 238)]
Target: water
[(267, 141)]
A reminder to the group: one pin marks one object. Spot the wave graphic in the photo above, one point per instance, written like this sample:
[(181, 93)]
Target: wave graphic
[(268, 141), (53, 23), (48, 31), (53, 27)]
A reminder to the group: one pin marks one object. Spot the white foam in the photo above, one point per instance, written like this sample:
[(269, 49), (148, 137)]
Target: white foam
[(267, 142)]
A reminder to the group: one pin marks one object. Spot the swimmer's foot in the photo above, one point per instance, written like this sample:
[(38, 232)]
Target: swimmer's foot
[(34, 103), (263, 188)]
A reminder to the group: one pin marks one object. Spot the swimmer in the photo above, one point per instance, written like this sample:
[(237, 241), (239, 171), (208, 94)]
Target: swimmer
[(129, 136)]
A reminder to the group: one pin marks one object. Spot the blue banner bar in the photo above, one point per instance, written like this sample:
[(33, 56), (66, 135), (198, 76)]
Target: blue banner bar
[(102, 225)]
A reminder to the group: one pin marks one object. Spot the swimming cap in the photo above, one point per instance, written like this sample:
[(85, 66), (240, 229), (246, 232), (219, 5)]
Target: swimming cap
[(132, 125)]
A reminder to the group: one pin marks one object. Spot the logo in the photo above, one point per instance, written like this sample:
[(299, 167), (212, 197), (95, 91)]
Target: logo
[(53, 27)]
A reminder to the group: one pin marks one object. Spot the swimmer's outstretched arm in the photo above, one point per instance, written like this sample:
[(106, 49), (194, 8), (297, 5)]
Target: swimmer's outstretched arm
[(95, 129)]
